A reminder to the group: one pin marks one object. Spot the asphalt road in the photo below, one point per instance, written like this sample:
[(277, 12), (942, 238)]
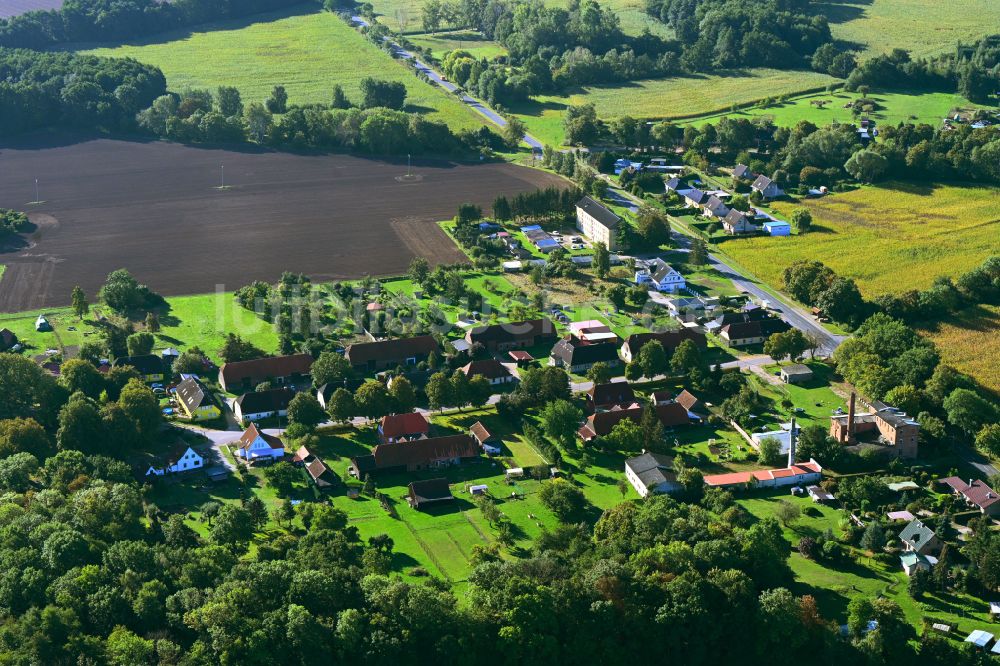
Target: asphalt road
[(437, 79)]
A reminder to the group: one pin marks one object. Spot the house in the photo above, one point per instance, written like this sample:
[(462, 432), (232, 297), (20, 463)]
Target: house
[(715, 207), (652, 473), (181, 459), (694, 198), (422, 493), (912, 562), (605, 396), (685, 305), (736, 222), (320, 474), (494, 371), (372, 356), (796, 373), (489, 442), (254, 444), (597, 223), (669, 339), (777, 228), (919, 538), (578, 355), (892, 426), (416, 455), (976, 494), (743, 172), (7, 339), (399, 427), (241, 376), (600, 424), (767, 188), (799, 474), (257, 405), (149, 366), (743, 333), (195, 401), (661, 276), (512, 335), (819, 495)]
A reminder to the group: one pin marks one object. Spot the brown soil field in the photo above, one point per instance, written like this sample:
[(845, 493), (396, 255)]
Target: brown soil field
[(10, 8), (157, 209)]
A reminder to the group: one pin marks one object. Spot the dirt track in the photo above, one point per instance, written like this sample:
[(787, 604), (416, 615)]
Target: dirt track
[(156, 209)]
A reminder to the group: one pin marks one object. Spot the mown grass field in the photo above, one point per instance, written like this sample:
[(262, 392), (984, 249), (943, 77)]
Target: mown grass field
[(666, 98), (968, 342), (466, 40), (923, 27), (889, 238), (897, 107), (304, 50)]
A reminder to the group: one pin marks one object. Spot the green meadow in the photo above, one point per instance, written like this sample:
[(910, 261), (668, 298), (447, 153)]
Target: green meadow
[(306, 51)]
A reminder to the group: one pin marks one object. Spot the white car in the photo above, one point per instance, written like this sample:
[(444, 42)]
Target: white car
[(576, 246)]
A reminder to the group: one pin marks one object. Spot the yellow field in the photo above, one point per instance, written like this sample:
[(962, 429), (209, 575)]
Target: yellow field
[(969, 343), (923, 27), (888, 238)]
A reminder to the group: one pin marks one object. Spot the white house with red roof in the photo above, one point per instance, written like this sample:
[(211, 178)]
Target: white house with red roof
[(255, 444)]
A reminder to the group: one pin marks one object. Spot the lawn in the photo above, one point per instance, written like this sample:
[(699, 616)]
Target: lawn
[(923, 27), (666, 98), (968, 343), (465, 40), (302, 49), (889, 238), (896, 107), (190, 321)]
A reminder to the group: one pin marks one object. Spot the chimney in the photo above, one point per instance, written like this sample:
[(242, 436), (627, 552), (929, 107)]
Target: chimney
[(791, 444), (850, 419)]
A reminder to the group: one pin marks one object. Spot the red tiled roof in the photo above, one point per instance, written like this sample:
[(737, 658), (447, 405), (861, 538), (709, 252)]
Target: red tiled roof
[(387, 351), (611, 393), (489, 368), (519, 355), (397, 425), (422, 451), (978, 493), (733, 478), (687, 399), (672, 414), (272, 366)]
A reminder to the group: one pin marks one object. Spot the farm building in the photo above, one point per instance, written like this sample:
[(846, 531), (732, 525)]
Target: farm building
[(540, 238), (255, 444), (512, 335), (799, 474), (652, 473), (743, 333), (669, 339), (398, 427), (383, 354), (422, 493), (195, 401), (796, 373), (278, 370), (257, 405), (597, 222), (489, 442), (891, 426), (493, 370), (418, 454), (579, 355)]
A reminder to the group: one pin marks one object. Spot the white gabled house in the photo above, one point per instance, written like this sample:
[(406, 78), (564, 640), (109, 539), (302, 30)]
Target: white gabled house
[(661, 276), (182, 459), (256, 445)]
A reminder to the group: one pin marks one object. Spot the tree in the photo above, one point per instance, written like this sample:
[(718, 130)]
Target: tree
[(23, 435), (769, 451), (566, 501), (140, 344), (230, 102), (17, 470), (305, 410), (404, 396), (788, 344), (802, 219), (616, 296), (560, 419), (786, 512), (439, 391), (968, 410), (192, 361), (341, 406), (419, 270), (233, 526), (79, 302), (602, 259), (122, 292), (278, 101), (388, 94), (79, 375), (372, 399), (652, 359), (867, 166), (626, 435), (699, 252), (339, 100), (80, 426), (478, 391), (501, 208), (330, 368), (918, 583), (210, 510), (873, 539), (141, 407), (988, 439), (152, 322), (281, 476), (599, 373), (259, 121), (237, 349), (257, 510), (513, 131), (686, 358)]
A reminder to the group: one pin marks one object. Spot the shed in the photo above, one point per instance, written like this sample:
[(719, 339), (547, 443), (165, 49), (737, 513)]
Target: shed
[(796, 373), (819, 494), (778, 228), (979, 638), (515, 473), (479, 489), (900, 515), (995, 608), (428, 492), (903, 485)]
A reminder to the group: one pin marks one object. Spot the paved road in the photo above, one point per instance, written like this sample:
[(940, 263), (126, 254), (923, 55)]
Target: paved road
[(792, 313), (438, 79), (971, 456)]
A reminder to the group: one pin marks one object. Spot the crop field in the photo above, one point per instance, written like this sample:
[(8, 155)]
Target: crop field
[(888, 238), (968, 342), (923, 27), (896, 107), (157, 209), (304, 50), (666, 98), (10, 8)]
